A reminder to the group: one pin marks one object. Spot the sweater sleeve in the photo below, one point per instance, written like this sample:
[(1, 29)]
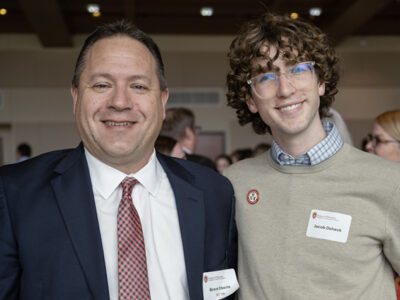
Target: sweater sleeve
[(391, 243)]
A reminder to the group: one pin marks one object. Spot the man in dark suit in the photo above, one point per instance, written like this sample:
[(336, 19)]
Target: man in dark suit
[(71, 227), (180, 124)]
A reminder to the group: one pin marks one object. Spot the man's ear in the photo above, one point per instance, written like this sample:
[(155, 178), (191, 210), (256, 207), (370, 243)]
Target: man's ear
[(188, 132), (251, 104), (321, 88), (74, 93), (164, 99)]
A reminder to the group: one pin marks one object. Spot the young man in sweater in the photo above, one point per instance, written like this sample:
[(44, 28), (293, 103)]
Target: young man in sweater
[(317, 218)]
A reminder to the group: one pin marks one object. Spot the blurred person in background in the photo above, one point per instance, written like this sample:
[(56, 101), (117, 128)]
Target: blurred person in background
[(261, 148), (169, 146), (24, 152), (384, 141), (180, 124), (222, 161), (240, 154), (364, 142)]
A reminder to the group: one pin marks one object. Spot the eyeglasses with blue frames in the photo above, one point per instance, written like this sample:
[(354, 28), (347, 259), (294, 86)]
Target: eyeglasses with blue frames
[(266, 85)]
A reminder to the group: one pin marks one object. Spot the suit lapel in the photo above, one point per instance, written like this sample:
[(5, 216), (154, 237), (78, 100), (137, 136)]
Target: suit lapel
[(74, 195), (191, 214)]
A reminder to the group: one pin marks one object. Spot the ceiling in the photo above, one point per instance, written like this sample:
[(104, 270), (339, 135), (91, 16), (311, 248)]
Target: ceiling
[(56, 21)]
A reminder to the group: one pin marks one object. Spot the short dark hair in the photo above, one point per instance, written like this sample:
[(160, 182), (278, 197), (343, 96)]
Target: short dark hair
[(165, 144), (242, 153), (119, 28), (261, 148), (24, 149), (176, 121), (296, 41)]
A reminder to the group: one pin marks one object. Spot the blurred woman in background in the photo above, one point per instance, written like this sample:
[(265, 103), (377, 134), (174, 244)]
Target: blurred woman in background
[(385, 137), (384, 141), (222, 161)]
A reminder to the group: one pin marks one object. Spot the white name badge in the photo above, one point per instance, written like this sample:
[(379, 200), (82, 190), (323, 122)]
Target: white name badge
[(328, 225), (219, 284)]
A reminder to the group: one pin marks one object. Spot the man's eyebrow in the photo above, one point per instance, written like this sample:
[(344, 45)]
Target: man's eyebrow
[(96, 75), (140, 77), (110, 77)]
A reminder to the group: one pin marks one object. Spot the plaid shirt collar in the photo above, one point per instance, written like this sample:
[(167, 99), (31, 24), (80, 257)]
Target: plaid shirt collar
[(320, 152)]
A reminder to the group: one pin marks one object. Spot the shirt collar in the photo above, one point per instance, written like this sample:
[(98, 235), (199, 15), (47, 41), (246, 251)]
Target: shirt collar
[(319, 153), (106, 178), (186, 150)]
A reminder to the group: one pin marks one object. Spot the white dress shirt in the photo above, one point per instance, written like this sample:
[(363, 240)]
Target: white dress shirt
[(154, 200)]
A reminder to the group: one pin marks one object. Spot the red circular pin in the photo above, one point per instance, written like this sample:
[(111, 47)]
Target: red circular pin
[(253, 197)]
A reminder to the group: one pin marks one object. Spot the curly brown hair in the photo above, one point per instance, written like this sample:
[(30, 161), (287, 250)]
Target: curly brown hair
[(296, 41)]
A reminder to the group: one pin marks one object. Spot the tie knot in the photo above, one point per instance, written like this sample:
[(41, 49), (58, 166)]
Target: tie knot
[(127, 185)]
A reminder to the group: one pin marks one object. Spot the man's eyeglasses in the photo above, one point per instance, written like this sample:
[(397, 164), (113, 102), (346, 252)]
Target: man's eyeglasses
[(375, 140), (266, 85)]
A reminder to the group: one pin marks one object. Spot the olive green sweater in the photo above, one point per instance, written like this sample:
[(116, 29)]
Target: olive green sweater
[(276, 258)]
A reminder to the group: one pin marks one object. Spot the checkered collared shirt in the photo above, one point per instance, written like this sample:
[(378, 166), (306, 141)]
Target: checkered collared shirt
[(320, 152)]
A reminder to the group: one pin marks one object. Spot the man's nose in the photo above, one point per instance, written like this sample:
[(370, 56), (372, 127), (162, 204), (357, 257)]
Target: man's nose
[(121, 99), (285, 87)]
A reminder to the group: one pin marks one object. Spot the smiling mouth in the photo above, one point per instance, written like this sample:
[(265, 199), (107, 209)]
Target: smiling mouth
[(290, 107), (112, 123)]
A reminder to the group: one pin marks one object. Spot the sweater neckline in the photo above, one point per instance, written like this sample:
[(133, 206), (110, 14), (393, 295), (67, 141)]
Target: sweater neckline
[(308, 169)]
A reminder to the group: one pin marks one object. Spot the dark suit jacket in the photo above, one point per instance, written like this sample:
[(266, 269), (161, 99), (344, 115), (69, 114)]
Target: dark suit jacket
[(50, 245)]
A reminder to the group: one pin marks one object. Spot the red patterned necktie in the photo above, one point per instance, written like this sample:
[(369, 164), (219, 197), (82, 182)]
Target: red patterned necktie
[(133, 281)]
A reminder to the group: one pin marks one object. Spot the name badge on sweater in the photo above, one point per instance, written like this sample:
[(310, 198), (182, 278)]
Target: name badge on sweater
[(328, 225), (219, 284)]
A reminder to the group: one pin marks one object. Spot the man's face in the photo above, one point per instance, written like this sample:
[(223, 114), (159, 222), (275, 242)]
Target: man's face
[(293, 109), (118, 105)]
